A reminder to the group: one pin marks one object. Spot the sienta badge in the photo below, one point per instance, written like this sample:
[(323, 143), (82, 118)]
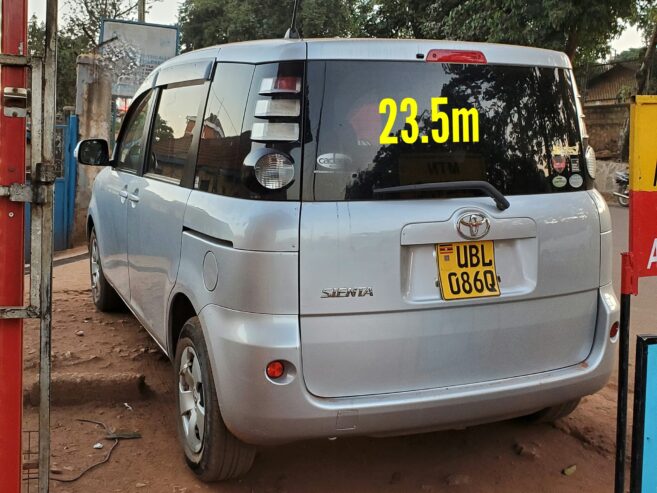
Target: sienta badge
[(559, 181), (576, 181)]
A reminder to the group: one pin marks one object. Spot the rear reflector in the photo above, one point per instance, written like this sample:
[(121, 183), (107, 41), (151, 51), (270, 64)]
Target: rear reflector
[(591, 162), (613, 332), (277, 107), (275, 369), (272, 131), (456, 56)]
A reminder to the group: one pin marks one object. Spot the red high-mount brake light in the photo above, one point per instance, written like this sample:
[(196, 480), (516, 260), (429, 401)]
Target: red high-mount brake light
[(456, 56), (281, 85), (287, 83)]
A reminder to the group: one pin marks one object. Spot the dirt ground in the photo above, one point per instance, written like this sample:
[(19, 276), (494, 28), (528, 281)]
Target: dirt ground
[(505, 457)]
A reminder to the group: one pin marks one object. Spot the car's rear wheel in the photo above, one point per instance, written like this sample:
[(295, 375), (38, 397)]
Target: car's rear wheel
[(104, 296), (553, 413), (211, 450)]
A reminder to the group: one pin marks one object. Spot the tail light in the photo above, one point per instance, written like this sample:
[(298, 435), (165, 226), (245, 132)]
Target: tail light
[(591, 163), (274, 117), (274, 170), (280, 85), (456, 56), (280, 109)]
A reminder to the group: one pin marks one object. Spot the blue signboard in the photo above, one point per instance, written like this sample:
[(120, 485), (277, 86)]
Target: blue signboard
[(644, 438)]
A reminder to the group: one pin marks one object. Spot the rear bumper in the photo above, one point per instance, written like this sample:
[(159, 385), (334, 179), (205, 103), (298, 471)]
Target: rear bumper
[(259, 411)]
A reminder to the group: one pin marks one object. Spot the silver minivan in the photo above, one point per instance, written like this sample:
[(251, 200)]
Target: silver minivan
[(346, 237)]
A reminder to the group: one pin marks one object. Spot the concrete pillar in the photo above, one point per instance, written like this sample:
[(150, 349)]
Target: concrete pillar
[(93, 105)]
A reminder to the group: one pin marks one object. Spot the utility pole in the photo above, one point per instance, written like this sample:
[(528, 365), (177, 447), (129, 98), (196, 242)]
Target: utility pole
[(141, 11), (49, 98)]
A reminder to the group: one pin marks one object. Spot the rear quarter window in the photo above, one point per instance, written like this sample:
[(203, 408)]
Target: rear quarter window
[(233, 127)]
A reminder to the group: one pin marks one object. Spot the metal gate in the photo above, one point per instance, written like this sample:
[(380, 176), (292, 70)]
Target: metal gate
[(66, 137)]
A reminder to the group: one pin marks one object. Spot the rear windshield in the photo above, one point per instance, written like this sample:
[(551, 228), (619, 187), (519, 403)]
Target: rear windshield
[(385, 124)]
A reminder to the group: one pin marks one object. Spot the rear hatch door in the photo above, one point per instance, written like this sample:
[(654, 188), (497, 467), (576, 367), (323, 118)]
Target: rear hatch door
[(376, 313)]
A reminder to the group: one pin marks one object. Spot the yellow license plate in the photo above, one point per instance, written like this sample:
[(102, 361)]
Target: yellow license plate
[(467, 270)]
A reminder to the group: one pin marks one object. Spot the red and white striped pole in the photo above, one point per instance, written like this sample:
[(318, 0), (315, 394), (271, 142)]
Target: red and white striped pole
[(13, 41)]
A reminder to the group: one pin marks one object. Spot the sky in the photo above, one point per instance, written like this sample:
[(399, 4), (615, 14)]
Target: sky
[(166, 12), (161, 12)]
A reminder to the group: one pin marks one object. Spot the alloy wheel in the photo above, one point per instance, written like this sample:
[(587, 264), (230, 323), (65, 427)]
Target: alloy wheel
[(191, 399)]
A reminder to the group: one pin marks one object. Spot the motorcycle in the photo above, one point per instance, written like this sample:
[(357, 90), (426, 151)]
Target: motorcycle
[(622, 179)]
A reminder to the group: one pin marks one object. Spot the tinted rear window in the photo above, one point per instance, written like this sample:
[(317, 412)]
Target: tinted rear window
[(525, 139)]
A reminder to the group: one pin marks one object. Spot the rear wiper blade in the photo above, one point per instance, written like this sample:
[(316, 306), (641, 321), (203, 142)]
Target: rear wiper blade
[(483, 186)]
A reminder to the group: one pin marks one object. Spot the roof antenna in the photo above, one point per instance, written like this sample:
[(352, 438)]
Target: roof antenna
[(293, 32)]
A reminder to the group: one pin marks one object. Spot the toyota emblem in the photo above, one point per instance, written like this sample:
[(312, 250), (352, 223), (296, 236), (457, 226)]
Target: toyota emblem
[(473, 225)]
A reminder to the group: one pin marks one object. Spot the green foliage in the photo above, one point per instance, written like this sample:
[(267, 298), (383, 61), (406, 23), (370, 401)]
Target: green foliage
[(645, 16), (394, 18), (69, 47), (630, 55), (83, 17), (36, 33), (78, 34), (208, 22), (582, 29)]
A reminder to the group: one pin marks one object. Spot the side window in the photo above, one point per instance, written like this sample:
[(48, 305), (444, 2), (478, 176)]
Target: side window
[(219, 162), (173, 130), (133, 138)]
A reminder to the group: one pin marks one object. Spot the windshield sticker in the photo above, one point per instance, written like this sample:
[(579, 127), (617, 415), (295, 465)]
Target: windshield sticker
[(559, 163), (334, 160), (559, 181), (576, 181), (459, 125), (574, 165), (561, 149)]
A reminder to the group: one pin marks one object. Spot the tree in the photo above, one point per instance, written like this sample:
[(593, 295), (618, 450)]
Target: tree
[(78, 34), (36, 35), (68, 49), (580, 29), (393, 18), (629, 55), (209, 22), (642, 87), (645, 17), (84, 16)]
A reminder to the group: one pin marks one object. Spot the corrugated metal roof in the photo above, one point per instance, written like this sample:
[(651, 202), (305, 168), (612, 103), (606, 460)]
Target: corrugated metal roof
[(607, 86)]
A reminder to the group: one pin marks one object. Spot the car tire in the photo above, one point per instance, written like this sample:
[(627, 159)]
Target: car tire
[(211, 450), (103, 294), (553, 413)]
